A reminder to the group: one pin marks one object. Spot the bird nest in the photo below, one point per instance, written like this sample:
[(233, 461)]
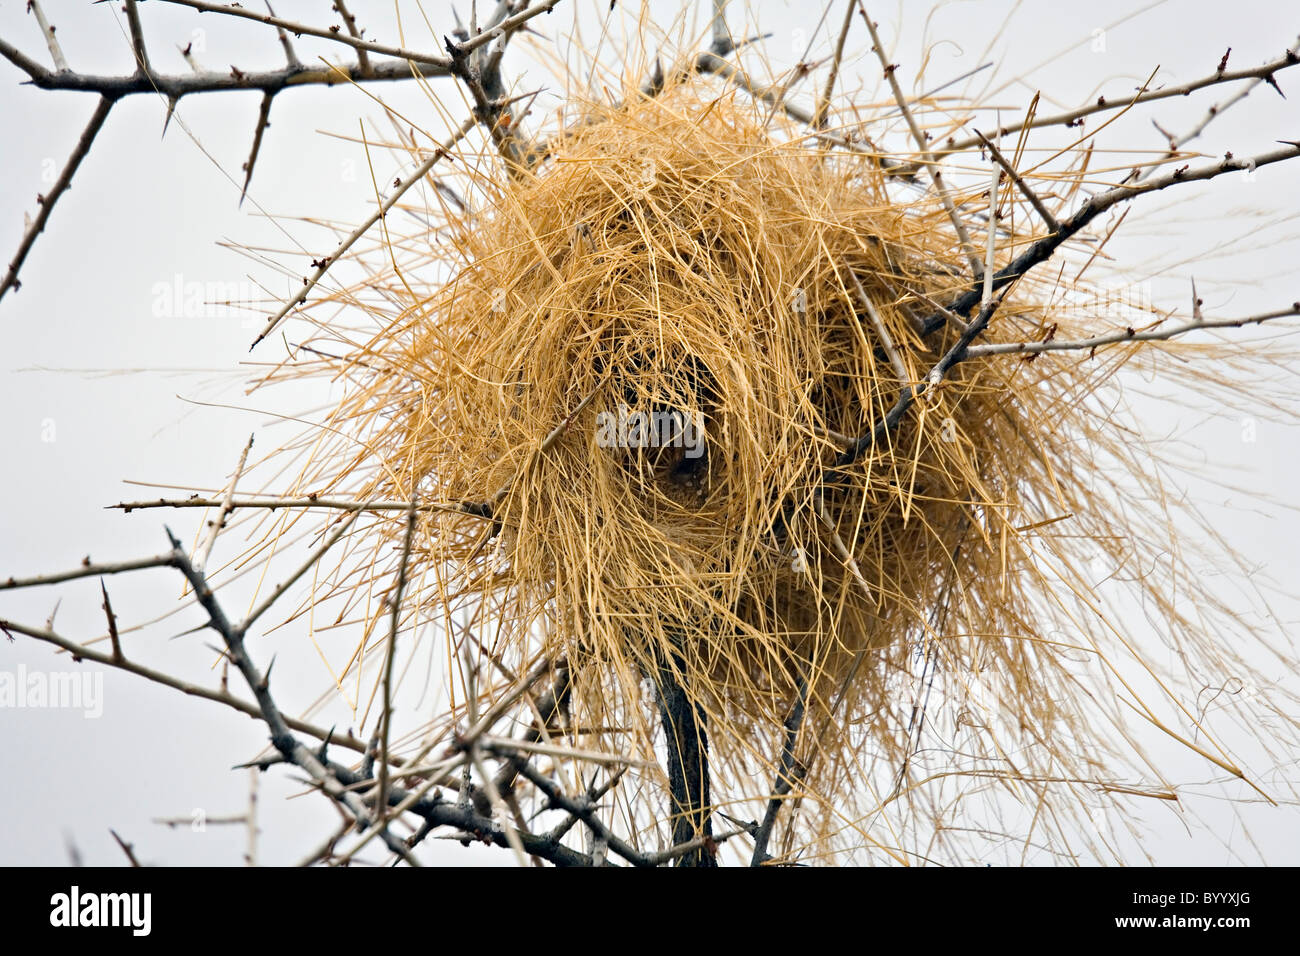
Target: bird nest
[(648, 414)]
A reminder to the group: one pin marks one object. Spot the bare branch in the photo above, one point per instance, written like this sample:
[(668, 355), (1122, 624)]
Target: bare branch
[(291, 57), (1103, 104), (263, 121), (61, 185), (1016, 178), (127, 848), (227, 506), (877, 323), (281, 737), (137, 39), (47, 31), (824, 101), (222, 696), (274, 504), (112, 623), (88, 570), (324, 33), (1154, 334), (787, 776), (322, 266), (349, 21), (1042, 249), (930, 161), (389, 654)]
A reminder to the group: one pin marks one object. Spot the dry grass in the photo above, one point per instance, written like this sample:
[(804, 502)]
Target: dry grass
[(692, 252)]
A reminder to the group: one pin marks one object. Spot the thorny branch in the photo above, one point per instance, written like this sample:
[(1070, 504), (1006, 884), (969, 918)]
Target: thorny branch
[(399, 63), (373, 798)]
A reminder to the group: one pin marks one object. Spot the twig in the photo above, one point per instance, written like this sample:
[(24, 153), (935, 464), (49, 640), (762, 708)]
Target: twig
[(303, 29), (222, 696), (127, 848), (1213, 113), (291, 57), (586, 812), (708, 843), (61, 185), (273, 504), (877, 323), (930, 161), (137, 39), (1016, 178), (281, 737), (227, 506), (1126, 335), (941, 368), (349, 21), (788, 774), (88, 570), (1043, 249), (263, 121), (323, 266), (389, 654), (824, 101), (991, 241), (507, 746), (112, 623), (1072, 117), (47, 31)]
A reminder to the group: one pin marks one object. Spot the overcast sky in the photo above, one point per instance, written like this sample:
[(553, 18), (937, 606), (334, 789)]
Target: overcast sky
[(103, 386)]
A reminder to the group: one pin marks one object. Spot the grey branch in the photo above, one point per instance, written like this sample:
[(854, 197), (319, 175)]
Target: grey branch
[(930, 161), (788, 774), (1154, 334), (61, 185), (322, 266), (1071, 117), (1024, 187), (47, 31)]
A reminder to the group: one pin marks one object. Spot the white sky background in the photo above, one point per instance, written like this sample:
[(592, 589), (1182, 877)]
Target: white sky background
[(143, 211)]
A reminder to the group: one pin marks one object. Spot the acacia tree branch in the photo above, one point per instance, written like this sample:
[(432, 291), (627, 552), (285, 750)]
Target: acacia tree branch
[(1024, 187), (931, 162), (275, 503), (1043, 249), (349, 21), (291, 56), (1216, 110), (282, 737), (1037, 253), (322, 266), (137, 39), (47, 31), (222, 696), (87, 570), (47, 201), (1154, 334), (788, 774), (323, 33), (1265, 72), (824, 101), (390, 654)]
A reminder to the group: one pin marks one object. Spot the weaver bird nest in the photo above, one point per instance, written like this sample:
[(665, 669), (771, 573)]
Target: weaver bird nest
[(683, 414)]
